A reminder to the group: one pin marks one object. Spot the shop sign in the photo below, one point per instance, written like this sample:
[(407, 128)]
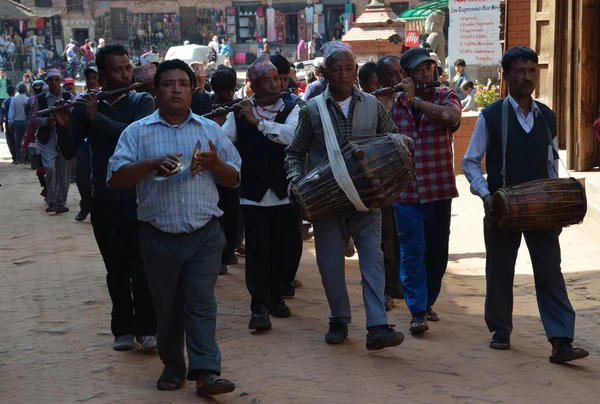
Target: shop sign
[(412, 38)]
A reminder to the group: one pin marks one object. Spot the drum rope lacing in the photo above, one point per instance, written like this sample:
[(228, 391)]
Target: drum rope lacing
[(336, 159)]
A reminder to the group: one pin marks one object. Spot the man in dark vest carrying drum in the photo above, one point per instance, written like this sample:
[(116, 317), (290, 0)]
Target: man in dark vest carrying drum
[(527, 153)]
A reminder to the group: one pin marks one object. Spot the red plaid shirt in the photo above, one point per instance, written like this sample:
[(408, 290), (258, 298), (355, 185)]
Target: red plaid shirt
[(432, 152)]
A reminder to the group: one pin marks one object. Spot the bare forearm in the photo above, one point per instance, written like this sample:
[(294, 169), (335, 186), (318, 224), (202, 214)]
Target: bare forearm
[(226, 175), (448, 116), (130, 174)]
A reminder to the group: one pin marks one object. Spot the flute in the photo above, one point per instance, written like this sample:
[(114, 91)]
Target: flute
[(266, 100), (102, 95), (400, 87), (227, 104)]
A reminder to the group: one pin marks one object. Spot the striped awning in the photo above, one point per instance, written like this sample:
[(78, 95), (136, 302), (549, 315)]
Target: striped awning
[(422, 11)]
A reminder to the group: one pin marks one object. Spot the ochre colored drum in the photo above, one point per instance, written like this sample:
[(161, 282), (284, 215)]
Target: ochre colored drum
[(540, 205), (378, 165)]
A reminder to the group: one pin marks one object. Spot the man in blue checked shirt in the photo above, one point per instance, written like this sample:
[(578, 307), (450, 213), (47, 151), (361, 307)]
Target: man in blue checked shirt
[(181, 239)]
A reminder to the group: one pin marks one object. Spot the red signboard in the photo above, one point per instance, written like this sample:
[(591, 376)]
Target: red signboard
[(412, 38)]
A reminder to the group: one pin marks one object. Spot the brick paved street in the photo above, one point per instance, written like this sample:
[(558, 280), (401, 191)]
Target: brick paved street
[(55, 342)]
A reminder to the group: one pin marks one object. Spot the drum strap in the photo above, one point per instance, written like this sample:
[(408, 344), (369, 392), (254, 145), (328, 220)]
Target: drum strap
[(505, 105), (336, 159)]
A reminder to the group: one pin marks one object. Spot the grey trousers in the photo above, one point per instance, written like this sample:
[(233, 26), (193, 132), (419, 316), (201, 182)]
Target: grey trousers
[(182, 271), (58, 173), (555, 308), (330, 245)]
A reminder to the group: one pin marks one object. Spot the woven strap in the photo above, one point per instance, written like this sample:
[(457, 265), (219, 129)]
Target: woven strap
[(336, 159)]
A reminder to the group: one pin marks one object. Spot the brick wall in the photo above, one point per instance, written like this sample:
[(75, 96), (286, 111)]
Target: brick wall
[(519, 23), (462, 137)]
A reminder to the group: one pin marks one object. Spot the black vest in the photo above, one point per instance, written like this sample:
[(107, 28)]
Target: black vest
[(44, 132), (526, 153), (262, 160)]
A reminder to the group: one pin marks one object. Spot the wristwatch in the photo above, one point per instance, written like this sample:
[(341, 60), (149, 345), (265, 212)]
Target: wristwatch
[(417, 99), (261, 126)]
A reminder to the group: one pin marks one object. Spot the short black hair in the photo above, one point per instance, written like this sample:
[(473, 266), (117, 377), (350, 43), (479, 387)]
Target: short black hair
[(518, 53), (460, 62), (174, 64), (365, 71), (299, 66), (467, 84), (281, 63), (22, 88), (382, 62), (223, 79), (112, 49), (10, 90)]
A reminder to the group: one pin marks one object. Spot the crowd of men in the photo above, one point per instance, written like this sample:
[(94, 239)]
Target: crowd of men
[(165, 233)]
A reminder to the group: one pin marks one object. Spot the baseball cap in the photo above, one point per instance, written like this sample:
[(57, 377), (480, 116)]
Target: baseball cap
[(90, 68), (69, 80), (414, 57), (101, 40)]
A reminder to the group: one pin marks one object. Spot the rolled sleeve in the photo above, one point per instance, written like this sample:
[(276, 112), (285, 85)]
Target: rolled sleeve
[(228, 153), (125, 153), (283, 133), (451, 100)]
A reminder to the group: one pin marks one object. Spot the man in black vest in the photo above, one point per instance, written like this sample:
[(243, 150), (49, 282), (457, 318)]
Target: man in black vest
[(273, 230), (530, 155)]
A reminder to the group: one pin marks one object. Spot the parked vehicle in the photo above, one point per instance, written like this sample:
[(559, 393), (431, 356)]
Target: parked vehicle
[(192, 53)]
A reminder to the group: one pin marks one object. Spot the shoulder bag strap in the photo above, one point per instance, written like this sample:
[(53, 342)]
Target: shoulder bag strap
[(504, 127)]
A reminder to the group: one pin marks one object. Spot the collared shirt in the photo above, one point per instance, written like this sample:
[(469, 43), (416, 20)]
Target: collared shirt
[(471, 163), (432, 152), (298, 148), (16, 112), (179, 204), (50, 99), (282, 133), (241, 93)]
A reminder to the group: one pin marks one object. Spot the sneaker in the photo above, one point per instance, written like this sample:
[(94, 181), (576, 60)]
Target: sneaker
[(232, 260), (383, 336), (63, 209), (281, 310), (148, 342), (388, 302), (81, 216), (338, 332), (123, 343), (418, 325), (223, 270), (287, 290), (260, 319)]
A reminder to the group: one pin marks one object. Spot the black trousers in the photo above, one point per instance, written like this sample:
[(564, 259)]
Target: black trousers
[(229, 203), (273, 250), (83, 179), (390, 245), (10, 142), (116, 229), (502, 248)]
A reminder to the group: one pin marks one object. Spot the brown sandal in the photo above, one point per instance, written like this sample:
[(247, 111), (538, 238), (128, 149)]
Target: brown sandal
[(168, 384), (214, 385)]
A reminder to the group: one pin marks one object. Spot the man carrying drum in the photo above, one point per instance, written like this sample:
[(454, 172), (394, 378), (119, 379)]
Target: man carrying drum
[(518, 137), (358, 114)]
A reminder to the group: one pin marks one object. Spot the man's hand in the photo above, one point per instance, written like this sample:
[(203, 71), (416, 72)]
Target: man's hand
[(63, 116), (290, 193), (90, 101), (220, 119), (166, 165), (409, 90), (248, 112), (207, 160), (387, 100), (487, 206)]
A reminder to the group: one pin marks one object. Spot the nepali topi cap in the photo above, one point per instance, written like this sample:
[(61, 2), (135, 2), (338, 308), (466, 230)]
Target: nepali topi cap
[(261, 66)]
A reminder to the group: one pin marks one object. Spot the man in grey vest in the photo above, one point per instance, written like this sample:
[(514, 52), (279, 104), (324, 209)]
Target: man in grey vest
[(529, 155), (357, 113)]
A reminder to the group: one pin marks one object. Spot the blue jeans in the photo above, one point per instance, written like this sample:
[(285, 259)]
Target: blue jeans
[(330, 246), (424, 232)]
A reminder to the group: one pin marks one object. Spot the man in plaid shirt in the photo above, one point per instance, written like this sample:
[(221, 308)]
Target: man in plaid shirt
[(429, 117)]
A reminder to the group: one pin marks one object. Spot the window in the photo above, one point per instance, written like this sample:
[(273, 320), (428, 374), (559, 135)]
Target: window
[(75, 6), (43, 3)]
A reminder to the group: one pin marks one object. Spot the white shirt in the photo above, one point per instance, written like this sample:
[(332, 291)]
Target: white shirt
[(214, 45), (282, 133), (345, 105), (471, 163)]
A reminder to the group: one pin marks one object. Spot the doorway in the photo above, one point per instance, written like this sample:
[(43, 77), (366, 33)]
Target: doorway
[(291, 33), (80, 35)]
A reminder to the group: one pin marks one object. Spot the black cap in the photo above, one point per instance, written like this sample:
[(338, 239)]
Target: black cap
[(414, 57)]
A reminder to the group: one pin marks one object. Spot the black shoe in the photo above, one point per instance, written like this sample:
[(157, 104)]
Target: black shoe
[(383, 336), (388, 302), (418, 325), (81, 216), (260, 319), (281, 310), (64, 209), (287, 290), (50, 209), (232, 260), (338, 332), (223, 269)]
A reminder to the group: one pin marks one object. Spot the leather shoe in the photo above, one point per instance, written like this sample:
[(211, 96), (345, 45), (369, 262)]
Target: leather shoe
[(81, 216), (260, 319), (63, 209)]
